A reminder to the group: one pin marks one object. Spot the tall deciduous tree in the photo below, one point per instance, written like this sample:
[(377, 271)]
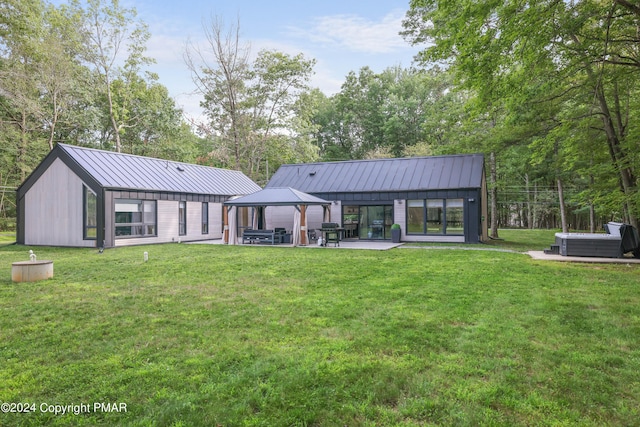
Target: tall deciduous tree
[(220, 71), (115, 45), (529, 53), (22, 27), (251, 106), (398, 112)]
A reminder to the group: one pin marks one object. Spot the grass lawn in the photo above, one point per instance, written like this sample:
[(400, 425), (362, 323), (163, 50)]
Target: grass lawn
[(205, 335), (7, 237)]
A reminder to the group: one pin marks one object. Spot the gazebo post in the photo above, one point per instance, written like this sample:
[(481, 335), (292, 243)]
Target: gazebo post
[(303, 225), (225, 221)]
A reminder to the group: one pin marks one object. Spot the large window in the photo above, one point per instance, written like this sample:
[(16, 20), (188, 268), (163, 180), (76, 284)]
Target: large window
[(435, 216), (415, 217), (182, 218), (205, 218), (90, 213), (455, 216), (135, 218)]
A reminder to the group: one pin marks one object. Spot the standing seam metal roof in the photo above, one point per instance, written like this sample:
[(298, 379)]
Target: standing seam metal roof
[(403, 174), (277, 197), (126, 171)]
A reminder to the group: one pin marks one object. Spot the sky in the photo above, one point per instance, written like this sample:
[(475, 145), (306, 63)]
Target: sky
[(342, 36)]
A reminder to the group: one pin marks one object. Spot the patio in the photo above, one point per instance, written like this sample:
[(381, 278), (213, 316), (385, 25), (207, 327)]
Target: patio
[(344, 244)]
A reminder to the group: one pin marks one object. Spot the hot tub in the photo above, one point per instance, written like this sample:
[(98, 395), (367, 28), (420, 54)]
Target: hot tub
[(589, 244)]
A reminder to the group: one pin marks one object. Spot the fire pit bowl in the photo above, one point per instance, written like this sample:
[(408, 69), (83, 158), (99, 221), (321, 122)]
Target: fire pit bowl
[(31, 271)]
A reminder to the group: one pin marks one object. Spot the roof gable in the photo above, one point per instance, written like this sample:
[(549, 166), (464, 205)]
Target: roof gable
[(404, 174)]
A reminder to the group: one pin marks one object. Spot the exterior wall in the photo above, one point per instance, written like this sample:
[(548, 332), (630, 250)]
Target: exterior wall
[(194, 221), (215, 221), (53, 211), (279, 217), (400, 217), (336, 212), (282, 217), (474, 211), (315, 217), (167, 224)]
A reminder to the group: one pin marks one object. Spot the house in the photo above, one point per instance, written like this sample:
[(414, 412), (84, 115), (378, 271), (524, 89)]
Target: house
[(83, 197), (433, 199)]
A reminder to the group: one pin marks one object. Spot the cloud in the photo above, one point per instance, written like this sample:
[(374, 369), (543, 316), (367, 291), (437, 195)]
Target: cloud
[(355, 33)]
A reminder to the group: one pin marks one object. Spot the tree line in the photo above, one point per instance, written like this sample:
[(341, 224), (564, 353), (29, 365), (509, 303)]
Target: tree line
[(552, 82), (545, 89)]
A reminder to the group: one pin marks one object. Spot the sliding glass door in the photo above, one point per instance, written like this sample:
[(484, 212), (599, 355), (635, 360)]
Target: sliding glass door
[(375, 222)]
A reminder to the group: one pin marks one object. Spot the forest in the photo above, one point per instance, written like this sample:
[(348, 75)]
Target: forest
[(546, 90)]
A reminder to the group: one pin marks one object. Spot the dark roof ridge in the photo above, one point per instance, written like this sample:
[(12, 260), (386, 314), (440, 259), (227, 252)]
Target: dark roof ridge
[(384, 159), (75, 147)]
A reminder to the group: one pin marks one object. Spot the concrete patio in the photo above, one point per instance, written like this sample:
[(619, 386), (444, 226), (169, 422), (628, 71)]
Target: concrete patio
[(375, 245), (540, 255), (383, 245)]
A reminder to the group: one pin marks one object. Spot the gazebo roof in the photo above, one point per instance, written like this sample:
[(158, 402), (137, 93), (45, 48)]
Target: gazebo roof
[(277, 196)]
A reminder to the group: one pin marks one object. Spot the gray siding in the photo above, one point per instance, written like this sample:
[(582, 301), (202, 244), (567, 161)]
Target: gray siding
[(279, 217), (215, 221), (55, 216), (167, 224), (282, 217)]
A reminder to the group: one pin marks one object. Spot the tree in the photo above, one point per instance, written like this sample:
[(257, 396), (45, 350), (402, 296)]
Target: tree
[(21, 29), (543, 53), (110, 30), (250, 106), (219, 72), (394, 113)]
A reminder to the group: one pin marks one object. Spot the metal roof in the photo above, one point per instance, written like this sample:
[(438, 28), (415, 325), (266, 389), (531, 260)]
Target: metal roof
[(404, 174), (277, 197), (126, 171)]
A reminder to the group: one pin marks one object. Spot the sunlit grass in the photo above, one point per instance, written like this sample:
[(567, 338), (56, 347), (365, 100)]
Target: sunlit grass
[(217, 335), (7, 237)]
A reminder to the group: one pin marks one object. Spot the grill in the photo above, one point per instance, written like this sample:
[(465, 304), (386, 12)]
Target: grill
[(330, 233)]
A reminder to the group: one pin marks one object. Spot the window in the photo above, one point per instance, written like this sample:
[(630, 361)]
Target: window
[(435, 216), (182, 218), (135, 218), (455, 216), (415, 216), (205, 218), (90, 214)]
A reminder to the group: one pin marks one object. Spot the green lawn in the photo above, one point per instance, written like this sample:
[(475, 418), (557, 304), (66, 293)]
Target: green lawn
[(7, 237), (264, 336)]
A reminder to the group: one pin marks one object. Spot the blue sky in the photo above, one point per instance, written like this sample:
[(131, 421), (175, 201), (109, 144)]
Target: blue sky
[(342, 36)]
